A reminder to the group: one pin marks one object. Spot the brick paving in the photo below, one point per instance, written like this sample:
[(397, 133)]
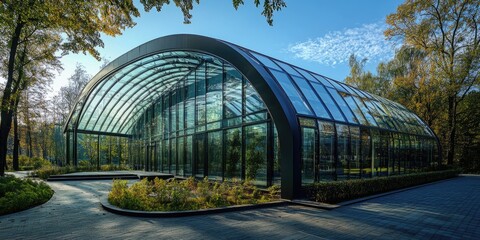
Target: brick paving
[(444, 210)]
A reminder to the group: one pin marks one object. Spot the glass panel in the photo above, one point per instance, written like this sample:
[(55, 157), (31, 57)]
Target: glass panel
[(200, 95), (215, 155), (343, 152), (188, 155), (214, 92), (232, 98), (326, 157), (166, 156), (252, 102), (327, 99), (366, 153), (354, 167), (265, 61), (355, 109), (256, 154), (308, 155), (292, 93), (276, 156), (180, 156), (199, 155), (233, 154), (336, 85), (374, 112), (190, 101), (323, 80), (287, 68), (376, 152), (312, 98), (306, 74), (307, 122), (383, 153), (342, 105), (173, 156), (365, 111)]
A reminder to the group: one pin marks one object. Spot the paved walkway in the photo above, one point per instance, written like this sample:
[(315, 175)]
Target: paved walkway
[(444, 210)]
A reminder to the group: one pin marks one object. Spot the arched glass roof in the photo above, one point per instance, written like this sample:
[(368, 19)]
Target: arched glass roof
[(114, 100)]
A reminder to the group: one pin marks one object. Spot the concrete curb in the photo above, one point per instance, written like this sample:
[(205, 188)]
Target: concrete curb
[(164, 214)]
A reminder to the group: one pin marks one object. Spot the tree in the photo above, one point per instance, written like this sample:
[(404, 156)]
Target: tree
[(269, 6), (44, 28), (469, 133), (448, 31), (366, 80), (70, 93), (415, 83)]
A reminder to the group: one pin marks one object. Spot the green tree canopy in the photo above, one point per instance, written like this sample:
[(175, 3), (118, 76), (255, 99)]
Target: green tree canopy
[(448, 32)]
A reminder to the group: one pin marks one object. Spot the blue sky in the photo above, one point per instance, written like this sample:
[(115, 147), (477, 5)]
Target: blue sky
[(318, 35)]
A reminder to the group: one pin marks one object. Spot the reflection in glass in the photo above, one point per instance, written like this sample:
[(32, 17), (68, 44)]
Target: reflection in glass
[(342, 105), (200, 95), (232, 103), (214, 92), (326, 144), (354, 166), (292, 93), (276, 158), (233, 154), (343, 151), (253, 102), (256, 153), (366, 153), (312, 98), (332, 107), (215, 155), (308, 155), (199, 155), (180, 156), (188, 155)]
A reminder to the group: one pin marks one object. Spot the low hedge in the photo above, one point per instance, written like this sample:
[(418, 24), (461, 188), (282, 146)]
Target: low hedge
[(339, 191), (19, 194), (46, 171)]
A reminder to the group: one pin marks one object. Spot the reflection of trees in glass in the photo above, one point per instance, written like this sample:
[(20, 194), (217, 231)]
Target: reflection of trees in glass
[(255, 151), (89, 144), (233, 153), (215, 155)]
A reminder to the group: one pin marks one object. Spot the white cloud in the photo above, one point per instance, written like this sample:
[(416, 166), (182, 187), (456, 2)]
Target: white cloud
[(336, 47)]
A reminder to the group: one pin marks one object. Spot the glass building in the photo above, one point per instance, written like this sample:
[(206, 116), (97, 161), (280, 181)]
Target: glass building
[(197, 106)]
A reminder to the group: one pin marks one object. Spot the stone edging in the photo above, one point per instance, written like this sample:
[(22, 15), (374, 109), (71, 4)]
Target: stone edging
[(164, 214)]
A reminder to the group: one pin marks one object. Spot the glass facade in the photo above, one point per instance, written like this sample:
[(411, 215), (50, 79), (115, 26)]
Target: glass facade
[(221, 112), (210, 123)]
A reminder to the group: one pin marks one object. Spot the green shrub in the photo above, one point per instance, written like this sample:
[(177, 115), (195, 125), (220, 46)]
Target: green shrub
[(338, 191), (19, 194), (26, 163), (84, 166), (46, 171), (189, 194)]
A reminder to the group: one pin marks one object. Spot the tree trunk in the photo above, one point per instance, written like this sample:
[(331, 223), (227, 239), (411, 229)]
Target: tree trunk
[(6, 106), (4, 129), (29, 131), (451, 129), (16, 143)]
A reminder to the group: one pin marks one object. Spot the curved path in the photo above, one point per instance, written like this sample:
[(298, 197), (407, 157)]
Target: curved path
[(445, 210)]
